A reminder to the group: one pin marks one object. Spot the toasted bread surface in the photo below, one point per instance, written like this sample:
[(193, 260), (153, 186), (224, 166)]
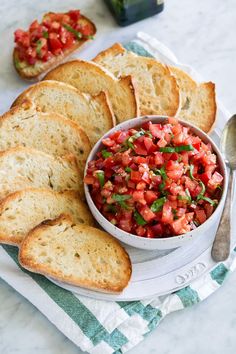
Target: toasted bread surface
[(23, 210), (157, 87), (49, 132), (92, 113), (78, 254), (40, 68), (88, 77), (22, 167), (198, 101)]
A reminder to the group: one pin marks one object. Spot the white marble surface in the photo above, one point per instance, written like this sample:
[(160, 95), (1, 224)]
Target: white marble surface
[(201, 33)]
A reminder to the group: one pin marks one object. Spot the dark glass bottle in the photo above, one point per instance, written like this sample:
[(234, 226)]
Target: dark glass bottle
[(130, 11)]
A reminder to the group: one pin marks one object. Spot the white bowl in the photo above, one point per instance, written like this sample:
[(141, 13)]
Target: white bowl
[(208, 227)]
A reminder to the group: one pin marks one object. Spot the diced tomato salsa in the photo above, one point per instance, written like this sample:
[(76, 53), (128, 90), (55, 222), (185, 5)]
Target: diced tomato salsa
[(56, 33), (158, 180)]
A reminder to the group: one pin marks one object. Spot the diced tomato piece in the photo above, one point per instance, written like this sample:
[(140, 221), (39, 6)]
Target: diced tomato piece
[(209, 209), (135, 176), (140, 149), (174, 156), (180, 226), (139, 159), (209, 159), (74, 15), (201, 215), (55, 44), (149, 145), (121, 137), (146, 213), (140, 230), (108, 142), (141, 185), (205, 177), (150, 232), (125, 224), (175, 189), (178, 139), (215, 180), (167, 215), (191, 185), (126, 159), (159, 159), (89, 179), (162, 142), (175, 175), (138, 196), (131, 184), (156, 130), (157, 230), (150, 196)]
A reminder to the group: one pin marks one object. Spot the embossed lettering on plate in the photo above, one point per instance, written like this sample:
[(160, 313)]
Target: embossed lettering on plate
[(192, 273)]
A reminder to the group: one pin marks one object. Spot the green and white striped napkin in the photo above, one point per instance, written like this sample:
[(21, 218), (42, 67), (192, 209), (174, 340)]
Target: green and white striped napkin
[(101, 327)]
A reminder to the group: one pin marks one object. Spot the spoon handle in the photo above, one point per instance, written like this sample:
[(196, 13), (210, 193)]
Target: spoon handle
[(221, 246)]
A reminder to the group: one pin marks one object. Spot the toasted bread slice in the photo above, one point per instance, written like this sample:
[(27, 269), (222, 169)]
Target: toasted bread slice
[(24, 167), (23, 210), (77, 254), (158, 89), (49, 132), (92, 113), (91, 78), (38, 70), (198, 104)]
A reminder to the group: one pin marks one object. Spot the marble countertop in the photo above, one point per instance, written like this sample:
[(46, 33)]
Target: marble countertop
[(201, 33)]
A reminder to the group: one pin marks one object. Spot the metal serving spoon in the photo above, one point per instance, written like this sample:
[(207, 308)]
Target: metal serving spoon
[(221, 246)]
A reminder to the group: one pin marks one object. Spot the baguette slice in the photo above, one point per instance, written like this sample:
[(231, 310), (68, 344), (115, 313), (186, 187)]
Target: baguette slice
[(23, 210), (77, 254), (49, 132), (23, 167), (198, 100), (91, 78), (38, 70), (158, 89), (92, 113)]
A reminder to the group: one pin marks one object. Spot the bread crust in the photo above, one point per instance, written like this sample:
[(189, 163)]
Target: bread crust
[(110, 80), (33, 266), (118, 50), (191, 87), (17, 240), (31, 110), (44, 67)]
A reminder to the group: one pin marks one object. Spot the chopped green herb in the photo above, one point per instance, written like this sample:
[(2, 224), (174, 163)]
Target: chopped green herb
[(17, 63), (147, 132), (45, 34), (171, 149), (158, 204), (128, 169), (201, 194), (161, 172), (130, 144), (39, 46), (174, 212), (106, 153), (111, 208), (101, 178), (77, 34), (185, 197), (209, 200), (191, 167), (120, 199), (139, 219)]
